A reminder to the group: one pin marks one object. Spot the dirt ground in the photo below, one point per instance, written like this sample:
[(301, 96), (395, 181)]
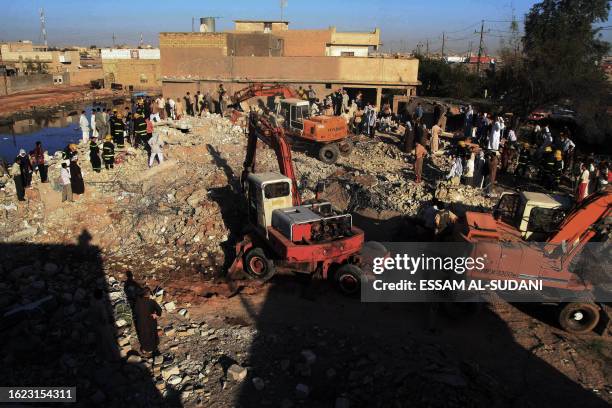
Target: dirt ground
[(48, 97)]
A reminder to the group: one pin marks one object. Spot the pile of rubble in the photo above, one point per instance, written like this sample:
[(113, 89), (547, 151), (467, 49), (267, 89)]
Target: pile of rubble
[(52, 333), (190, 204)]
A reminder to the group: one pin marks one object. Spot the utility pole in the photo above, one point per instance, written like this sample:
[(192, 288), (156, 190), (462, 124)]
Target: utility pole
[(470, 50), (141, 41), (283, 3), (443, 43), (192, 24), (114, 38), (43, 29), (427, 48), (480, 47)]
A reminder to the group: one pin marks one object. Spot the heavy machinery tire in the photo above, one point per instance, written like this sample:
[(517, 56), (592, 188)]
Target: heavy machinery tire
[(329, 153), (345, 147), (579, 318), (349, 279), (257, 265)]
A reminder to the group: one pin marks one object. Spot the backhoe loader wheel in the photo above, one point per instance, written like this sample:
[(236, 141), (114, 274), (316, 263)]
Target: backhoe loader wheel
[(328, 154), (257, 265), (345, 147), (349, 279), (579, 318)]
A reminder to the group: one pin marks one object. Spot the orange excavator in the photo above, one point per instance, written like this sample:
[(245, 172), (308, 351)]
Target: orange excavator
[(537, 236), (326, 136), (283, 233)]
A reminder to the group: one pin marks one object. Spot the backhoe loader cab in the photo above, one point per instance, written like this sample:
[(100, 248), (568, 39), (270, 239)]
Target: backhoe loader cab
[(266, 193), (534, 215), (295, 111)]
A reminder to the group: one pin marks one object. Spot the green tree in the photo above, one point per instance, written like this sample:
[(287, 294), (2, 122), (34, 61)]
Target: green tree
[(441, 79), (560, 62)]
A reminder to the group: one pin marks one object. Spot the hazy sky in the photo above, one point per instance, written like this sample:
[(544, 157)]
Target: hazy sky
[(403, 23)]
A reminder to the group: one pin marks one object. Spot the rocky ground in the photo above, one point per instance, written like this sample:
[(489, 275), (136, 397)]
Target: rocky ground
[(284, 343)]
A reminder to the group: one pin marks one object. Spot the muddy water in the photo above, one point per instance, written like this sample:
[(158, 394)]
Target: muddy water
[(55, 128)]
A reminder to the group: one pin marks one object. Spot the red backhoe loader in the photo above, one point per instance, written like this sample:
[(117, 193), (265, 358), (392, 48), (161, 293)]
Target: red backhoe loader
[(545, 240), (327, 135), (285, 234)]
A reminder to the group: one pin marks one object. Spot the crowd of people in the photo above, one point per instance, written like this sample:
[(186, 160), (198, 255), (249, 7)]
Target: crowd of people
[(107, 133), (488, 144)]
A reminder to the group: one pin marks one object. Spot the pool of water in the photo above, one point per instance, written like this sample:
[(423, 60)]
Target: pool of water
[(55, 130)]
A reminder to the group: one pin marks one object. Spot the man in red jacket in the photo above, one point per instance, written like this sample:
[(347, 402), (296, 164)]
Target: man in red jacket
[(38, 161)]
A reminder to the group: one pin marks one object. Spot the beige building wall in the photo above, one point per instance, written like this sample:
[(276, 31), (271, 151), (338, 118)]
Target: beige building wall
[(355, 38), (141, 74), (260, 26)]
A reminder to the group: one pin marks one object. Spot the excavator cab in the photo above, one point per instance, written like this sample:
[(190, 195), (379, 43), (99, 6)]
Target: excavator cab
[(534, 215), (295, 111), (267, 192)]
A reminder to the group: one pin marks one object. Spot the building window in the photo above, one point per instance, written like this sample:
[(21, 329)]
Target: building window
[(328, 86), (267, 27), (347, 54)]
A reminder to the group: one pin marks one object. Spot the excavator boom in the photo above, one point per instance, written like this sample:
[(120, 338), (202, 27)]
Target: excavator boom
[(262, 89), (261, 129)]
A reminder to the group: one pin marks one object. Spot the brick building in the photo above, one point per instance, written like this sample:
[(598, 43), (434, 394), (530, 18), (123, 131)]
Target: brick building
[(27, 57), (269, 51), (136, 68)]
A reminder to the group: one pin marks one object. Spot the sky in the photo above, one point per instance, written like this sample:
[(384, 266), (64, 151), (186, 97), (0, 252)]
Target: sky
[(403, 23)]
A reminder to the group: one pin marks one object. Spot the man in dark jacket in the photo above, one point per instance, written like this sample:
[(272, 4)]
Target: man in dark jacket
[(146, 312), (26, 168)]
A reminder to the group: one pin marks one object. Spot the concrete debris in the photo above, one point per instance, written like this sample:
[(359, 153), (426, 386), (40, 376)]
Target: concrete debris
[(236, 372)]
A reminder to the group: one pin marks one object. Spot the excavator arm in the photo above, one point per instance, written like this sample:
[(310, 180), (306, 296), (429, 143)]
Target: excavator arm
[(262, 89), (260, 128), (595, 208)]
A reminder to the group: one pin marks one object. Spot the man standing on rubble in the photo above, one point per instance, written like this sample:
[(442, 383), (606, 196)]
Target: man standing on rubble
[(157, 146), (108, 153), (100, 123), (345, 100), (469, 116), (65, 182), (419, 111), (38, 160), (420, 153), (221, 101), (408, 136), (436, 131), (140, 129), (117, 130), (188, 104), (94, 154), (495, 136), (492, 172), (312, 95), (210, 104), (146, 312), (84, 125)]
